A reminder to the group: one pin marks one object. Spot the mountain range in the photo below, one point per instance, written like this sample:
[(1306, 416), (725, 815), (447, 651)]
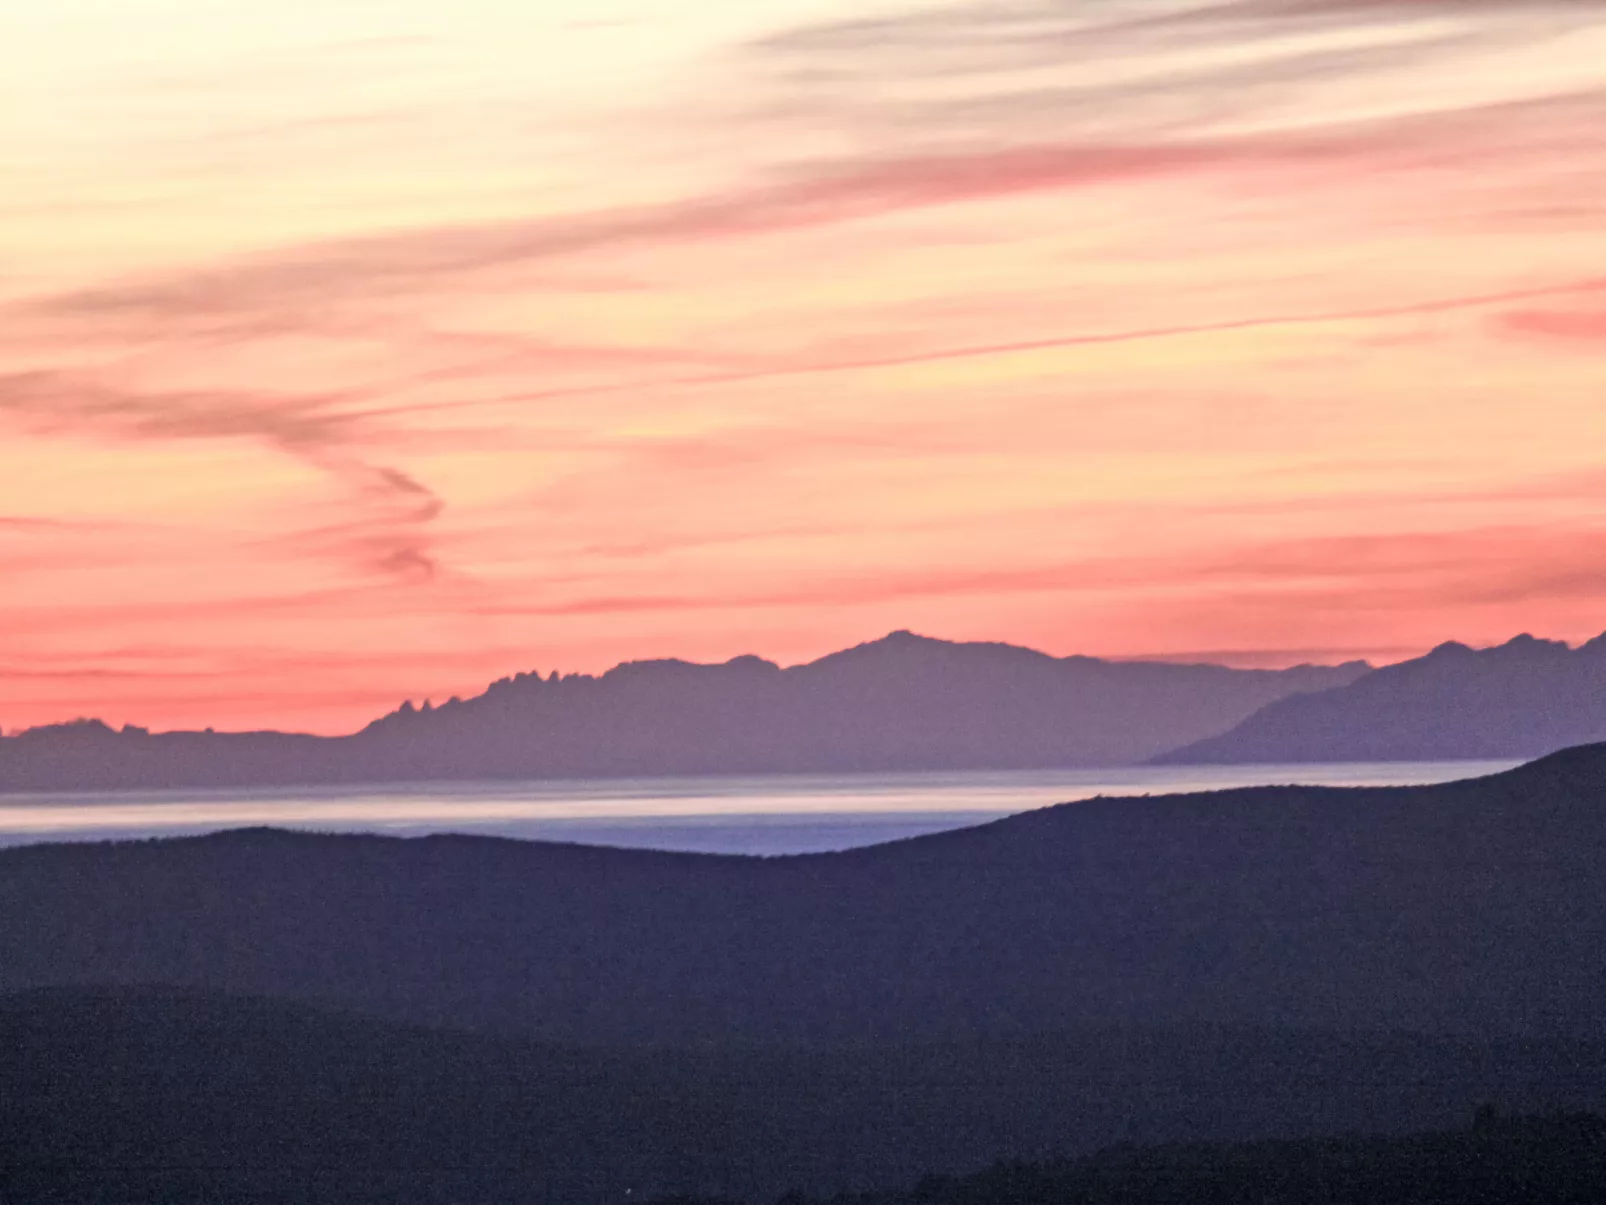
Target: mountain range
[(904, 702), (901, 703), (1522, 699)]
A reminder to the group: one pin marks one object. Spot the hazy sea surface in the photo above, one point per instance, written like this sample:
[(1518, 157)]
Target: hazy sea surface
[(772, 814)]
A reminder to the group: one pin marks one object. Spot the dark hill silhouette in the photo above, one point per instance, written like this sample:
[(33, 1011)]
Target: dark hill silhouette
[(1540, 1159), (112, 1095), (904, 702), (1524, 698), (1474, 907)]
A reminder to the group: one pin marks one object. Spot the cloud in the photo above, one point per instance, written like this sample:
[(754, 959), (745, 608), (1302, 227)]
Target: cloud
[(1177, 65), (803, 367), (248, 609), (1241, 658), (264, 295), (1586, 326), (34, 523), (1469, 567), (1044, 29), (271, 293), (57, 401), (1404, 309), (391, 533), (341, 288)]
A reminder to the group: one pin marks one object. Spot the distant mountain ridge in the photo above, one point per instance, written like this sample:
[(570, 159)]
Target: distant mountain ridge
[(904, 702), (1522, 699)]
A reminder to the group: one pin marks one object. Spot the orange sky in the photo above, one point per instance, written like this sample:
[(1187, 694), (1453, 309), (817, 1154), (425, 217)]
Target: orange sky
[(373, 349)]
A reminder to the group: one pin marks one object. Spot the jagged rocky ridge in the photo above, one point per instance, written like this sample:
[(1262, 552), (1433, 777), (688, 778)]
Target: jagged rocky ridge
[(901, 703)]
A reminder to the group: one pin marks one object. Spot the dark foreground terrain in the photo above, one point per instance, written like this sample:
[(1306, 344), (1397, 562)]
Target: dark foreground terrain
[(124, 1096), (267, 1016), (1554, 1159), (1472, 908)]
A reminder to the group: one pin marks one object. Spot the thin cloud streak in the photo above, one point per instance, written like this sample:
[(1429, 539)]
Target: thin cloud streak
[(397, 509), (1413, 309), (1586, 326), (1385, 564), (1180, 68), (345, 271)]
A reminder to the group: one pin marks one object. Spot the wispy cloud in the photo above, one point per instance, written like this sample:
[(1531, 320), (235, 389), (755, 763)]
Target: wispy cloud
[(781, 368), (264, 294), (343, 288), (1584, 326), (1177, 67), (1485, 565), (392, 531), (33, 523), (55, 402)]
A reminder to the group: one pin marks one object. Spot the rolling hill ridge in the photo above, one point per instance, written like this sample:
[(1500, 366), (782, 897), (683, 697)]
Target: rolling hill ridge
[(1470, 907)]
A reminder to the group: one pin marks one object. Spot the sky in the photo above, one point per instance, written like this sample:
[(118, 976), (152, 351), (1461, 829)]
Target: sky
[(373, 349)]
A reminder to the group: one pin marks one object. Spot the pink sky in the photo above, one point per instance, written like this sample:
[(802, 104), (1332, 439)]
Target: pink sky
[(369, 350)]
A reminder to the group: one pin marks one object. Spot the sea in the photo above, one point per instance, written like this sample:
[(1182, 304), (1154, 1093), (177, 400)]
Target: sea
[(768, 815)]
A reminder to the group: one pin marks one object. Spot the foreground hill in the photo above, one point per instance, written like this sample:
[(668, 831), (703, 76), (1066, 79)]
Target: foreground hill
[(1542, 1159), (127, 1097), (901, 703), (1524, 698), (1475, 907)]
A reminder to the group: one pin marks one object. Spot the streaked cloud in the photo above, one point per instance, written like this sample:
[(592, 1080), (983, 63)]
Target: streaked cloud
[(392, 530), (1588, 326)]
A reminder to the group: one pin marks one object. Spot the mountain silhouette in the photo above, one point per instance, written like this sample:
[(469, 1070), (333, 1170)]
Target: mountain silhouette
[(1465, 908), (904, 702), (1521, 699)]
